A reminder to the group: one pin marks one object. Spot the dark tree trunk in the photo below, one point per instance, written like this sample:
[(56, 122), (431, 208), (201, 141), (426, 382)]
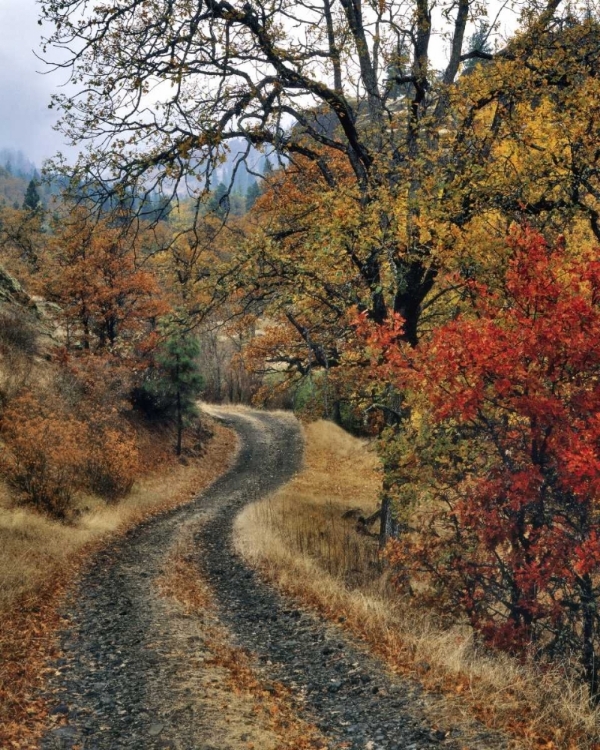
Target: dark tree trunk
[(589, 657), (386, 528), (179, 424)]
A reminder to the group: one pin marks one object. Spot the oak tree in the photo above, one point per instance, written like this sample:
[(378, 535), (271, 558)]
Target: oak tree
[(497, 476), (165, 86)]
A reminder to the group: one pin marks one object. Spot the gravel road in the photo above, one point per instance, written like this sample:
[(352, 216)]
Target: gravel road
[(130, 659)]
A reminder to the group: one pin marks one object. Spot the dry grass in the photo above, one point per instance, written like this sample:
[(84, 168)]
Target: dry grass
[(236, 709), (300, 541), (40, 557)]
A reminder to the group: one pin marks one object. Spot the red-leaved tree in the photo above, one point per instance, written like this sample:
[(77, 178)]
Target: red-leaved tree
[(498, 474)]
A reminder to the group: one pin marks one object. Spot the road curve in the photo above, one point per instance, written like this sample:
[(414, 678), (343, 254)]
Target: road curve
[(115, 682)]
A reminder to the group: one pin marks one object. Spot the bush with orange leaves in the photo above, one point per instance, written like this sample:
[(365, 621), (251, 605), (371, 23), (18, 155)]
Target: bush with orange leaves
[(50, 452), (44, 452), (112, 461)]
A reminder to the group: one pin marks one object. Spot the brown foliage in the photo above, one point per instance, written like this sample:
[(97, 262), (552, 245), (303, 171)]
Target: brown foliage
[(108, 301), (45, 453), (31, 619), (52, 452)]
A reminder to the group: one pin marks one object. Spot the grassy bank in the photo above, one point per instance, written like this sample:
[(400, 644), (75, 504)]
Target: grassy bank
[(40, 557), (301, 541)]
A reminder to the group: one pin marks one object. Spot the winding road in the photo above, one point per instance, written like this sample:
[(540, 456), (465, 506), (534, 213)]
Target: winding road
[(132, 663)]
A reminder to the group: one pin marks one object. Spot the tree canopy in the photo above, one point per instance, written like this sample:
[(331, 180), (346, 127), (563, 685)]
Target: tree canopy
[(164, 87), (403, 142)]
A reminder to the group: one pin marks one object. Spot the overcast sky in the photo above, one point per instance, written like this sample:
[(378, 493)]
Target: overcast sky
[(25, 120)]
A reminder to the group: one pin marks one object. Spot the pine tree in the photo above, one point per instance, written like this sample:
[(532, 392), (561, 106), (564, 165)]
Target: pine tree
[(173, 384), (219, 201), (267, 168), (32, 197), (478, 42), (251, 195)]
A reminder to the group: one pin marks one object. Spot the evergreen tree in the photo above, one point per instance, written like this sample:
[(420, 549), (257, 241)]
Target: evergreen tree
[(173, 384), (478, 42), (251, 195), (219, 201), (32, 197), (267, 167)]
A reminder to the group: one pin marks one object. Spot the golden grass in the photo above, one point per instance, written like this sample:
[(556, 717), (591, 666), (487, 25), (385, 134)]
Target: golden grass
[(40, 557), (300, 541)]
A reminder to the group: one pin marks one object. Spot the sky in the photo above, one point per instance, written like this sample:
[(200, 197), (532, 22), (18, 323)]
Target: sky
[(25, 92), (25, 120)]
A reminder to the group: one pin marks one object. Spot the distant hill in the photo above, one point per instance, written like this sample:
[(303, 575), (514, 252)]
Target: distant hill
[(17, 164), (12, 188), (248, 171), (16, 171)]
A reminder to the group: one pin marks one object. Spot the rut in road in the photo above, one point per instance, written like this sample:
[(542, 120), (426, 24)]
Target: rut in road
[(133, 666)]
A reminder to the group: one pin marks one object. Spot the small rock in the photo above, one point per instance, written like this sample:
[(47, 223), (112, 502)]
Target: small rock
[(438, 734), (60, 710), (155, 729)]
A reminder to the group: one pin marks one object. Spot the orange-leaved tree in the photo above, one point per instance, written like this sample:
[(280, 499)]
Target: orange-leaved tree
[(109, 301)]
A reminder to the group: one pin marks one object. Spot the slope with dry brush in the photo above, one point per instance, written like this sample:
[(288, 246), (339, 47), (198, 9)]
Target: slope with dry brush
[(77, 465)]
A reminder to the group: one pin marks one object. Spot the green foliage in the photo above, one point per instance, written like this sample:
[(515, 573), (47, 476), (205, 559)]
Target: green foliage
[(218, 203), (498, 475), (478, 42), (32, 199), (172, 384), (251, 195)]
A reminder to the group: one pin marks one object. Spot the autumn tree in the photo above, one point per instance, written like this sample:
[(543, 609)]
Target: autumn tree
[(409, 159), (22, 238), (110, 303), (497, 475), (331, 69)]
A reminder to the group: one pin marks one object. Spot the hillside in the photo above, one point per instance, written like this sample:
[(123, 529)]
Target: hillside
[(12, 188), (64, 491)]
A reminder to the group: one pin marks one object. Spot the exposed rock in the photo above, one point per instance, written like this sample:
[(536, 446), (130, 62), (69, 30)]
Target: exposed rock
[(11, 290)]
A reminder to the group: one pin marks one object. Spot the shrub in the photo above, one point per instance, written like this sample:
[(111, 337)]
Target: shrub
[(112, 460), (44, 452), (17, 333), (50, 453)]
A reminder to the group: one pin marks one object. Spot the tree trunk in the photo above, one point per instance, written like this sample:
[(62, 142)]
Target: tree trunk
[(590, 662), (386, 528), (179, 424)]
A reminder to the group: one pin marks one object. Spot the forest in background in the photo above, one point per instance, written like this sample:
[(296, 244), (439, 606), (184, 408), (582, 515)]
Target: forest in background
[(417, 261)]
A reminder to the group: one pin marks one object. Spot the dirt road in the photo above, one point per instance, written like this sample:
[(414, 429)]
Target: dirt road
[(134, 671)]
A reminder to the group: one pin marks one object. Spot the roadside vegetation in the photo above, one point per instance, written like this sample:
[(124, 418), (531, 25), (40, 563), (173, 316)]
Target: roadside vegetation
[(99, 424), (308, 539)]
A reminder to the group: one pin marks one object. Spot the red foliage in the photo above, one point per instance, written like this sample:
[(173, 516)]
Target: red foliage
[(516, 390)]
